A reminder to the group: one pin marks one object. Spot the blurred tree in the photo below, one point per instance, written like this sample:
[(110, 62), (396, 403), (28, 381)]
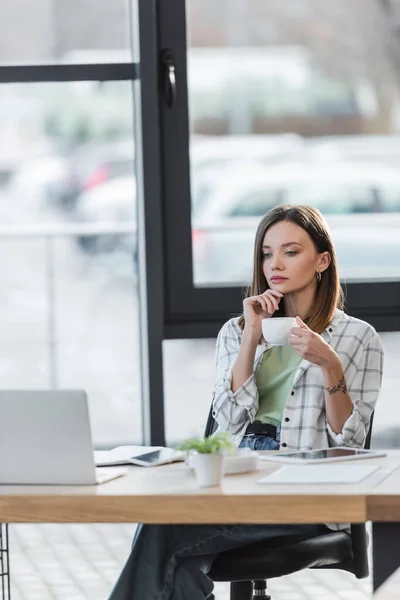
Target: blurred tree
[(347, 39), (390, 11)]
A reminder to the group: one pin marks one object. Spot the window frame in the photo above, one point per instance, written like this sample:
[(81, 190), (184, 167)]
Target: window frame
[(144, 67), (171, 307)]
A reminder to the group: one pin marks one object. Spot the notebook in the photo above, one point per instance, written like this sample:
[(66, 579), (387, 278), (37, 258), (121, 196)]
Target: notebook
[(319, 474), (120, 455)]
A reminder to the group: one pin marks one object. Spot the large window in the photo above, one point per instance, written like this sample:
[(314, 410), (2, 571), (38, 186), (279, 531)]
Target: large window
[(276, 120), (236, 118), (69, 204), (291, 103)]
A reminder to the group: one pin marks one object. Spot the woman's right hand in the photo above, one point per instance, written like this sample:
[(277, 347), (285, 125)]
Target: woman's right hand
[(256, 308)]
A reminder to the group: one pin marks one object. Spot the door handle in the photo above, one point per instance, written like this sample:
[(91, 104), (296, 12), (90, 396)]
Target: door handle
[(168, 77)]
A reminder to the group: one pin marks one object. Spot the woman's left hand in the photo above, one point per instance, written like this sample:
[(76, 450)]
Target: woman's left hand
[(310, 346)]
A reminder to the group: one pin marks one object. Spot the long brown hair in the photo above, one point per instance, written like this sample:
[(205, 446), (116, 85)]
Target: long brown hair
[(329, 294)]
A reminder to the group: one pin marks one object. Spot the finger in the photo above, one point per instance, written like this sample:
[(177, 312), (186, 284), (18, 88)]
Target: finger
[(296, 345), (270, 304), (301, 324), (271, 307), (293, 339), (274, 292), (302, 332), (274, 299), (263, 303), (273, 302), (253, 300), (298, 342), (297, 332)]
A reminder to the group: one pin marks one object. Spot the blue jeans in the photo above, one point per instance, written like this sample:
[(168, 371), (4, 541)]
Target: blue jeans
[(171, 562), (260, 442)]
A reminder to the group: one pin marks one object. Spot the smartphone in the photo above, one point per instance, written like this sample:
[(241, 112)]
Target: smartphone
[(157, 457)]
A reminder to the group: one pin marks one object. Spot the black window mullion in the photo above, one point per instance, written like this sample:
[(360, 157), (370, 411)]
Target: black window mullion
[(69, 72), (150, 230), (174, 122), (184, 301)]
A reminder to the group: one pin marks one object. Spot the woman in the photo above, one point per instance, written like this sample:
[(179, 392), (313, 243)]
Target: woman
[(318, 391)]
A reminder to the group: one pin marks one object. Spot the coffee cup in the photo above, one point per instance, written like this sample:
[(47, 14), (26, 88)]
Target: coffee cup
[(276, 330)]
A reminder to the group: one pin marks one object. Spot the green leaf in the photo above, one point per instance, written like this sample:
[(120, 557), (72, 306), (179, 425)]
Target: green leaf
[(215, 444)]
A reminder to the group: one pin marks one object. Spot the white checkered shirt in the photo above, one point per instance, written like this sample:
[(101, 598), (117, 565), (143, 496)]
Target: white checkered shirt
[(304, 425)]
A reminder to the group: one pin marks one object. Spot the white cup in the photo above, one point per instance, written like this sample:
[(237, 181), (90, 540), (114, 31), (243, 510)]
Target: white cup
[(276, 330)]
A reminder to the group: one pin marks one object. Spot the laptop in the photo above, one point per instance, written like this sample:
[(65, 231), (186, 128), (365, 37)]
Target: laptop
[(45, 439)]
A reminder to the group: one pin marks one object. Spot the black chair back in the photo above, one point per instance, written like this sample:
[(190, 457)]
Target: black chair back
[(367, 444), (211, 424)]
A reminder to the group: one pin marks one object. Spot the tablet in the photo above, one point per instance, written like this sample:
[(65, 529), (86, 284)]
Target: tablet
[(157, 457), (324, 455)]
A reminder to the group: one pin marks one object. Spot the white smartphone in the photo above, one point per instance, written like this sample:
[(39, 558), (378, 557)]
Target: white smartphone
[(157, 457)]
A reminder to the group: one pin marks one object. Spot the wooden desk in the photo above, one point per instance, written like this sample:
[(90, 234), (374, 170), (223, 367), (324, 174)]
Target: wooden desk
[(384, 499), (170, 494)]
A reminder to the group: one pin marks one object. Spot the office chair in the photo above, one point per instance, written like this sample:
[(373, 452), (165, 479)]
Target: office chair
[(248, 568)]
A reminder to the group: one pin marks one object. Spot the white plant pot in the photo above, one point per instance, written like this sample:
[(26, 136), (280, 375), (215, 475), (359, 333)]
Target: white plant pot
[(208, 468)]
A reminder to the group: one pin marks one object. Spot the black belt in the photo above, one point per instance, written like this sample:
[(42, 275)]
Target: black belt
[(258, 428)]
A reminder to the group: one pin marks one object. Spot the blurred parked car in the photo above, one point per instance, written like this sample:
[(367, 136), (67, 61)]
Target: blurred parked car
[(217, 150), (48, 179), (210, 154), (96, 163), (113, 202), (58, 178), (384, 149), (361, 202)]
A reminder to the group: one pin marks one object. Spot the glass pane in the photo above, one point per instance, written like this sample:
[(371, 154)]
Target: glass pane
[(77, 31), (188, 391), (69, 297), (386, 432), (302, 110)]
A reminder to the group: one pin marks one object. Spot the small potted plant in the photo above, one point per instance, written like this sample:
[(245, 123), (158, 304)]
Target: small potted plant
[(208, 456)]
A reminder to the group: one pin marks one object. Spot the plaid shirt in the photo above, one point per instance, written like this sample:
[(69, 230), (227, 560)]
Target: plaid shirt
[(304, 424)]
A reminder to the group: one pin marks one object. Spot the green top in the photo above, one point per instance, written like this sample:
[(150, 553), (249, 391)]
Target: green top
[(274, 381)]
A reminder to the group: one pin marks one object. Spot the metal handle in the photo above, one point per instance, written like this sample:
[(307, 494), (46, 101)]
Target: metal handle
[(168, 77)]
